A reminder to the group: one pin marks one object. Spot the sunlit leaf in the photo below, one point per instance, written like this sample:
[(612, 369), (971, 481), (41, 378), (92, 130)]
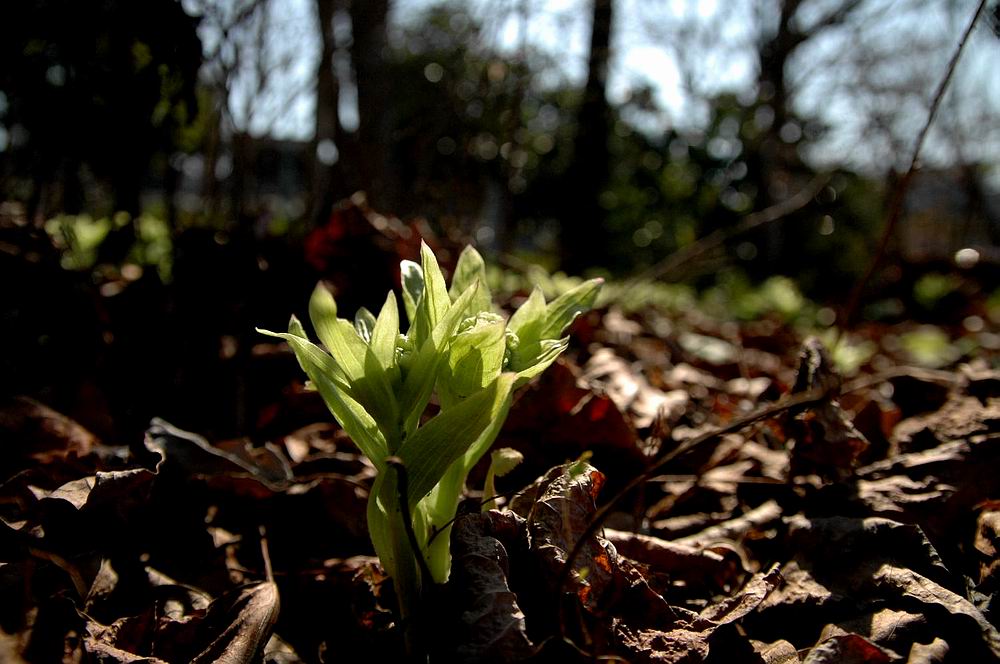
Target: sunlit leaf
[(526, 324), (471, 267), (412, 277), (453, 434), (368, 378), (436, 300), (338, 335), (549, 351), (323, 372), (564, 309), (419, 380), (385, 332), (502, 461), (475, 358)]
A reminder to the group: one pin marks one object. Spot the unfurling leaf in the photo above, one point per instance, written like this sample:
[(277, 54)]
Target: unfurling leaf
[(475, 360), (502, 461), (364, 323)]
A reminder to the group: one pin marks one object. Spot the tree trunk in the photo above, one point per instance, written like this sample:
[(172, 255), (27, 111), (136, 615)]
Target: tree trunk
[(326, 185), (774, 54), (368, 53), (584, 234), (771, 161)]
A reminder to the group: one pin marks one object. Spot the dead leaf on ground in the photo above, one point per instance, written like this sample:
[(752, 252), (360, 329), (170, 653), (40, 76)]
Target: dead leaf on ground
[(233, 630), (492, 624), (631, 392)]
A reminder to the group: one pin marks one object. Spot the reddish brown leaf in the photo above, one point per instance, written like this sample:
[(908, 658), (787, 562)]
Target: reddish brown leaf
[(849, 649), (631, 392)]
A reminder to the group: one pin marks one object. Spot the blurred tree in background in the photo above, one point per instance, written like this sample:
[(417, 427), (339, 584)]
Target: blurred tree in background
[(485, 117), (93, 91)]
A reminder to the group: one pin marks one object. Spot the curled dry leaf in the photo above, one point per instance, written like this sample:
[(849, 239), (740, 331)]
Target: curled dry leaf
[(876, 578), (696, 566), (935, 652), (558, 518), (492, 624), (111, 489), (826, 441), (691, 640), (960, 418), (849, 649), (247, 617), (987, 543), (779, 652), (735, 530), (234, 630), (192, 455), (34, 431), (951, 473), (612, 593)]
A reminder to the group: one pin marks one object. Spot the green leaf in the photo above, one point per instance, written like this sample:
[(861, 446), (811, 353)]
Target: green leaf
[(364, 323), (338, 335), (326, 376), (452, 435), (385, 332), (436, 300), (527, 320), (564, 309), (368, 378), (412, 277), (502, 461), (526, 328), (475, 358), (330, 367), (537, 327), (419, 381), (471, 267), (548, 351), (377, 515)]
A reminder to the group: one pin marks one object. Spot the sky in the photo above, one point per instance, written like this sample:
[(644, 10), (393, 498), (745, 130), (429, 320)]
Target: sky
[(646, 52)]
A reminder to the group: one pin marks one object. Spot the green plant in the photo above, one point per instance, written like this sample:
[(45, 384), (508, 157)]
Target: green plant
[(378, 383)]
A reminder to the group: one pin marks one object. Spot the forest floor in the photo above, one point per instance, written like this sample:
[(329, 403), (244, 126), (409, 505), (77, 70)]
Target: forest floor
[(861, 527)]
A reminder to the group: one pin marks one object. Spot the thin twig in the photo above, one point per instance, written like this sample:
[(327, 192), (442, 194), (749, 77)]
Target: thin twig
[(943, 378), (896, 206)]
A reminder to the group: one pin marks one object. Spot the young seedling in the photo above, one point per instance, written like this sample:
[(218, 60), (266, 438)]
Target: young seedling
[(502, 461), (377, 383)]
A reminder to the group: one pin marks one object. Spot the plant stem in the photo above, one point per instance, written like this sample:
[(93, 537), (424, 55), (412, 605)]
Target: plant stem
[(411, 568)]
